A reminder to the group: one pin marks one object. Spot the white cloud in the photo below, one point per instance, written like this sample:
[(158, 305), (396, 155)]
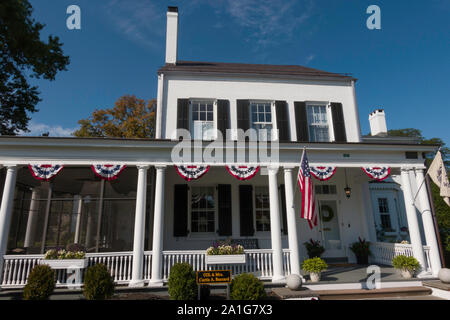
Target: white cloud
[(140, 21), (37, 129), (310, 58)]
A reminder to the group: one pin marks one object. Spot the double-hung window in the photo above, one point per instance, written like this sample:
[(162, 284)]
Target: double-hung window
[(203, 210), (318, 127), (262, 209), (202, 115), (261, 119), (385, 217)]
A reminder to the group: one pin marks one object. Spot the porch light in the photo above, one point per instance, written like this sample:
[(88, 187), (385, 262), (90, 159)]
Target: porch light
[(347, 189)]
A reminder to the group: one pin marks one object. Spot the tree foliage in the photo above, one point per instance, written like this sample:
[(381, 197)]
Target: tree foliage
[(129, 118), (23, 54), (441, 208)]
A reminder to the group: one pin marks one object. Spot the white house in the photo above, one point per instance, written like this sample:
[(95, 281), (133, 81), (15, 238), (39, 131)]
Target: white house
[(150, 217)]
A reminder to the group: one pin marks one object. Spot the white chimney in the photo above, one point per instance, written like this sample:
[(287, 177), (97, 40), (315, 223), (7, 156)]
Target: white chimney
[(172, 35), (377, 120)]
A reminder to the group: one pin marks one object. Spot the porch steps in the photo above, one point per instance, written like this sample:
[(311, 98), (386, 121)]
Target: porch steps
[(336, 261), (383, 293)]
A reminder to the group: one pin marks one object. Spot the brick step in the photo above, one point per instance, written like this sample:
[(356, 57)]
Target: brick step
[(354, 294)]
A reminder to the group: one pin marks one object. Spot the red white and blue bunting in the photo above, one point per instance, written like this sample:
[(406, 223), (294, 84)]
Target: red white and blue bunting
[(108, 172), (377, 173), (242, 172), (44, 172), (322, 173), (189, 172)]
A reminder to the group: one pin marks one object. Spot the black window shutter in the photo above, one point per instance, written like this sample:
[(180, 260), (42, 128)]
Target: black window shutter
[(180, 212), (183, 114), (223, 115), (282, 120), (246, 210), (225, 226), (338, 122), (301, 121), (243, 120), (283, 209)]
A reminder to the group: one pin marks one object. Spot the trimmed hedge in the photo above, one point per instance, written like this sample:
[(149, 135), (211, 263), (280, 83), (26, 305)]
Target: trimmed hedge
[(247, 287), (182, 283), (98, 283), (40, 284)]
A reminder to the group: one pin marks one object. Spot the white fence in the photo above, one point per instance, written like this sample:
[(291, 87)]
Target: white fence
[(383, 253), (259, 262)]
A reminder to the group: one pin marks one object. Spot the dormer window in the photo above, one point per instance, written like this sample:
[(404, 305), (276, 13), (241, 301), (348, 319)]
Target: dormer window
[(202, 119), (318, 127)]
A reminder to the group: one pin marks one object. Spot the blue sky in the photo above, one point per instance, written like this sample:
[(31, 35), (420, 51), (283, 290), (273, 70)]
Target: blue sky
[(403, 68)]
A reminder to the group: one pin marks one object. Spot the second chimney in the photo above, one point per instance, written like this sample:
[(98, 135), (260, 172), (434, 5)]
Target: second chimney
[(172, 35), (377, 120)]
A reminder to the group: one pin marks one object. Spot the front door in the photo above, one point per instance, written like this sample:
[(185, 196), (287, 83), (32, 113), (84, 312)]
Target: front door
[(329, 228)]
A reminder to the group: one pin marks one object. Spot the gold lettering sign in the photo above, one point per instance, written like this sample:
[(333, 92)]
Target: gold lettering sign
[(213, 276)]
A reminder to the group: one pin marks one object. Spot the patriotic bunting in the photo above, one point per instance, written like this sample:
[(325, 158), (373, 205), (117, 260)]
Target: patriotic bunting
[(189, 173), (242, 172), (377, 173), (323, 173), (44, 172), (108, 172)]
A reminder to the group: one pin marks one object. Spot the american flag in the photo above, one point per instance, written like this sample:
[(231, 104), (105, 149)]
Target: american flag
[(306, 187)]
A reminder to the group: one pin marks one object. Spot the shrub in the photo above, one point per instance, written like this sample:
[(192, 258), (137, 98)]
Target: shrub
[(314, 248), (98, 283), (247, 287), (403, 262), (182, 283), (315, 265), (40, 284)]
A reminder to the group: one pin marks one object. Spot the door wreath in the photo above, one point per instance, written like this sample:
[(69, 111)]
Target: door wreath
[(326, 209)]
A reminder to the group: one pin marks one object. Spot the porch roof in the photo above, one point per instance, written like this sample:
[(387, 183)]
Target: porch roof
[(77, 151)]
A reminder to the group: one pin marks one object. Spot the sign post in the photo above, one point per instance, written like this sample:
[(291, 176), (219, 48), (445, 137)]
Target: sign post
[(214, 277)]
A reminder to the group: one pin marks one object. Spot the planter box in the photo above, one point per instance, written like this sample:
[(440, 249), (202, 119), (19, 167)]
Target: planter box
[(65, 263), (225, 259)]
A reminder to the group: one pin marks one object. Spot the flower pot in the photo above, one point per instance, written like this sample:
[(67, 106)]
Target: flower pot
[(315, 276), (65, 263), (407, 274), (225, 259), (362, 259)]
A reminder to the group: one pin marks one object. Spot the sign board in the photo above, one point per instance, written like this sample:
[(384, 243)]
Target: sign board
[(213, 276)]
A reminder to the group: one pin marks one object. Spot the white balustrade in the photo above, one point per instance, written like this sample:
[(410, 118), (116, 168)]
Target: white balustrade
[(383, 252), (258, 262)]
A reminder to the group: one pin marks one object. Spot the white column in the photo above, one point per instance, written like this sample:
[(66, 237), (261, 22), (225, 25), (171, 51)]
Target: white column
[(413, 224), (137, 278), (158, 228), (428, 224), (78, 221), (32, 216), (275, 226), (6, 211), (291, 223)]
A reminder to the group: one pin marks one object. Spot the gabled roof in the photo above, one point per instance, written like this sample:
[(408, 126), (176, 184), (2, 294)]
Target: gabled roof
[(246, 68)]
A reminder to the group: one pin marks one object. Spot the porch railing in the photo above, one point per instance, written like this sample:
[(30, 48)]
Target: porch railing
[(259, 262), (383, 252)]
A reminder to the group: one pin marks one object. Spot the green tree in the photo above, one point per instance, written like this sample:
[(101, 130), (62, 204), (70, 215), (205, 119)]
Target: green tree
[(129, 118), (23, 54)]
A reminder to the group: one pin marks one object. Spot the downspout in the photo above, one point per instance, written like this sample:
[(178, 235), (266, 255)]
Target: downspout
[(159, 104)]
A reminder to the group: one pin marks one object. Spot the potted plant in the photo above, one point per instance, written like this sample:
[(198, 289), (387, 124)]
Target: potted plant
[(361, 250), (314, 248), (225, 253), (406, 265), (73, 256), (314, 266)]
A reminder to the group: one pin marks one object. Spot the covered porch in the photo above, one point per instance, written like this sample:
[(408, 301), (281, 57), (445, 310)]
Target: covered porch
[(132, 226)]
